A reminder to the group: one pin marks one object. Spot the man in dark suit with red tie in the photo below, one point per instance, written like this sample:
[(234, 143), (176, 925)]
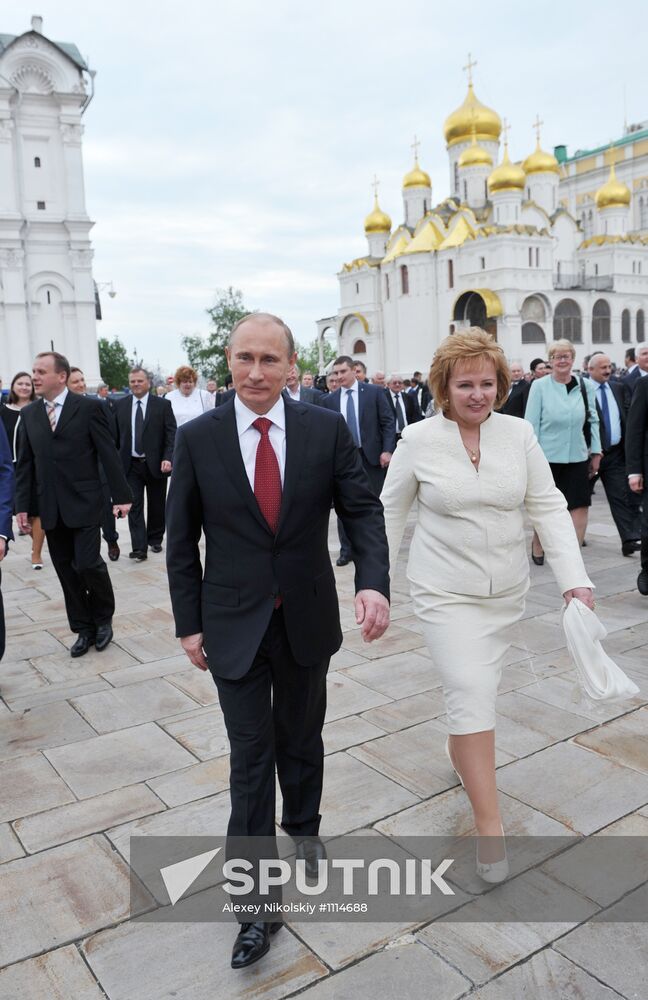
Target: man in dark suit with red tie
[(258, 476)]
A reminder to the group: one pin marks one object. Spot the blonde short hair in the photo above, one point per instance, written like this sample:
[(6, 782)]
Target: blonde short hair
[(473, 344), (561, 345)]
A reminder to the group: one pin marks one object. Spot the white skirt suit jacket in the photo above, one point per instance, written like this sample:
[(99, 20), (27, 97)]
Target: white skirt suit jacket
[(468, 567)]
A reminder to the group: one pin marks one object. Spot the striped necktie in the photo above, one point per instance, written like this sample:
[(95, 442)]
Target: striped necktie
[(51, 414)]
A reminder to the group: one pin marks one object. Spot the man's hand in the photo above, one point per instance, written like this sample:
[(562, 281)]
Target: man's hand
[(636, 483), (24, 522), (121, 509), (595, 461), (165, 467), (193, 647), (3, 548), (583, 594), (385, 459), (372, 612)]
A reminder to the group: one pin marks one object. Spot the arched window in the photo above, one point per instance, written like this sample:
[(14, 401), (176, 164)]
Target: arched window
[(641, 332), (404, 279), (359, 348), (567, 322), (37, 162), (601, 322), (386, 286), (532, 334), (625, 326), (450, 274)]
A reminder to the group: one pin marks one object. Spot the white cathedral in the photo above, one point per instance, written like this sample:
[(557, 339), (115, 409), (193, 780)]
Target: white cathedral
[(47, 293), (554, 246)]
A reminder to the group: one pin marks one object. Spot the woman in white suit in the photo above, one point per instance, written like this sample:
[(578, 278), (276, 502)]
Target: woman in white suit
[(472, 471)]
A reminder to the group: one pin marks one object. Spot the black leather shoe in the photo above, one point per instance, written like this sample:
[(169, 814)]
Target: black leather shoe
[(104, 637), (642, 582), (629, 548), (252, 943), (81, 646), (138, 555), (311, 851), (538, 560), (342, 561), (156, 548), (113, 552)]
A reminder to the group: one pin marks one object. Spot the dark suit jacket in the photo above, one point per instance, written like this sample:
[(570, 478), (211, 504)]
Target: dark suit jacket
[(6, 510), (158, 434), (64, 465), (375, 420), (515, 405), (636, 435), (621, 396), (631, 380), (246, 566), (423, 397), (410, 407), (306, 395), (222, 397)]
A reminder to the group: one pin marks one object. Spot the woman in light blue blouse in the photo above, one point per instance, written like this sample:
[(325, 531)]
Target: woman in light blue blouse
[(556, 408)]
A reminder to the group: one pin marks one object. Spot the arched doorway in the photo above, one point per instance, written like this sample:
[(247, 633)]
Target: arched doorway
[(533, 314), (601, 322), (478, 307), (532, 334), (567, 323)]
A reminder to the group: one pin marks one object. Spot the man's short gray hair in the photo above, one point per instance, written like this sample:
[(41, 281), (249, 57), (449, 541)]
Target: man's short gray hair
[(266, 318)]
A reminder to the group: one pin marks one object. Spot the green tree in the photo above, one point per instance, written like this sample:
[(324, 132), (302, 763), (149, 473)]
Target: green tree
[(308, 357), (114, 363), (207, 354)]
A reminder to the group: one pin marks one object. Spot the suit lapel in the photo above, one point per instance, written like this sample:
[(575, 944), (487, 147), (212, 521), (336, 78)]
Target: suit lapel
[(70, 406), (296, 441), (225, 434), (148, 412)]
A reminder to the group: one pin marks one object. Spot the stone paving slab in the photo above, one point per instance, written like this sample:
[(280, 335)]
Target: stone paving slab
[(414, 758), (345, 697), (30, 784), (396, 640), (151, 646), (526, 725), (381, 977), (79, 819), (136, 672), (60, 668), (191, 961), (121, 708), (10, 847), (57, 975), (41, 643), (580, 789), (397, 676), (344, 808), (348, 732), (197, 684), (92, 891), (406, 712), (546, 975), (624, 741), (203, 733), (196, 782), (118, 759), (559, 691), (50, 693)]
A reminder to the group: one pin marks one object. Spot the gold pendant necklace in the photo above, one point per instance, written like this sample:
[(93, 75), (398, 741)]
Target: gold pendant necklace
[(473, 455)]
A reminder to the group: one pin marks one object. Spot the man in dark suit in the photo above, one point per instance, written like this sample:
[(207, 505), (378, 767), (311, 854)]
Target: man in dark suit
[(6, 514), (258, 476), (516, 400), (373, 428), (612, 407), (146, 427), (421, 392), (637, 468), (63, 436), (300, 393), (403, 405), (639, 371)]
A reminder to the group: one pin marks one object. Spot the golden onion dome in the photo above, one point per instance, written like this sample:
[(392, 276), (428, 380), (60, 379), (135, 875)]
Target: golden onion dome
[(540, 162), (507, 176), (377, 221), (417, 177), (458, 126), (475, 155), (614, 193)]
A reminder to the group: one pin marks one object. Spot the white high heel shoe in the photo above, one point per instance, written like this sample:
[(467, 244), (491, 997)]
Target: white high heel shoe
[(447, 750), (493, 871)]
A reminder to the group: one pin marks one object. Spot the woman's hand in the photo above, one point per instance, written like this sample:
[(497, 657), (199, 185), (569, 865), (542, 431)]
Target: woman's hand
[(595, 461), (583, 594)]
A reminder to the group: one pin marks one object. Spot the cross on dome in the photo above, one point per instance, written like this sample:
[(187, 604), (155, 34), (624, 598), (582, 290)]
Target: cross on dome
[(468, 68), (416, 145), (536, 125), (375, 185), (506, 128)]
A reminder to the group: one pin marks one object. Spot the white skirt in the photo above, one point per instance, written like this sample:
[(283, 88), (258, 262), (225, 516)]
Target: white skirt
[(465, 636)]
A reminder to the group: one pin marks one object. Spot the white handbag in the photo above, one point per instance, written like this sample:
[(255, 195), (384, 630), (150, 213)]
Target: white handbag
[(599, 677)]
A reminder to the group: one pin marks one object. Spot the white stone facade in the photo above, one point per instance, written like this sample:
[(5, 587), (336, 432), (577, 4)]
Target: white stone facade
[(47, 294)]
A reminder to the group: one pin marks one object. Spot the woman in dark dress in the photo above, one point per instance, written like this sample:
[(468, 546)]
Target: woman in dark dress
[(20, 395)]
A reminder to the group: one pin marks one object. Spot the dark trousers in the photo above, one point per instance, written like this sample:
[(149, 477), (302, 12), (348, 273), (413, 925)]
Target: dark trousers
[(376, 476), (108, 527), (84, 577), (274, 716), (625, 506), (2, 621), (149, 531)]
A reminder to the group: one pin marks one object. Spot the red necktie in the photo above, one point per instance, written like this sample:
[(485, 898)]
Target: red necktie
[(267, 477)]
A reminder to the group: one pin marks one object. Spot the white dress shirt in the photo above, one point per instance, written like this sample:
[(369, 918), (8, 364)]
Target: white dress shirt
[(613, 410), (296, 395), (144, 402), (356, 402), (399, 396), (249, 436), (58, 405)]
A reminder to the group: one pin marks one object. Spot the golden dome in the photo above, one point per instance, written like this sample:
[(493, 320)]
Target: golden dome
[(614, 193), (417, 177), (507, 176), (475, 155), (540, 162), (458, 126), (377, 221)]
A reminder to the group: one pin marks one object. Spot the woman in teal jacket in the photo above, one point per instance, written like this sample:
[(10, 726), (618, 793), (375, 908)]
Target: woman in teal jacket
[(556, 408)]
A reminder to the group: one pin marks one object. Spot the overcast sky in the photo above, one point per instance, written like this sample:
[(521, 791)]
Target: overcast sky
[(235, 144)]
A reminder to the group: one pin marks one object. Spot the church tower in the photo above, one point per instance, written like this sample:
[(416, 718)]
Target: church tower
[(506, 189), (47, 298), (542, 173), (458, 131), (417, 192), (377, 228), (475, 164), (613, 202)]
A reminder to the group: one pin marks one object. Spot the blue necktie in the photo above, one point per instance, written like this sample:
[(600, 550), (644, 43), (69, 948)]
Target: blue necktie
[(605, 410), (352, 420)]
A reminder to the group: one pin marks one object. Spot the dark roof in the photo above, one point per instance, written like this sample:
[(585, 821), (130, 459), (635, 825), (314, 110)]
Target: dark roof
[(67, 48)]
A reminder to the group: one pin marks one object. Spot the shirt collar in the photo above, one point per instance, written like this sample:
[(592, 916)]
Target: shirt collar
[(246, 417), (143, 400), (60, 399), (353, 388)]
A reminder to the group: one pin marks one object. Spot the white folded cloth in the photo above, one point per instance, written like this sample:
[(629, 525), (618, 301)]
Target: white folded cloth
[(598, 675)]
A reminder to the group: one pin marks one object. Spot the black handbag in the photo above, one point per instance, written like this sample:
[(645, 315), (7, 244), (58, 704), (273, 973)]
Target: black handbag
[(587, 427)]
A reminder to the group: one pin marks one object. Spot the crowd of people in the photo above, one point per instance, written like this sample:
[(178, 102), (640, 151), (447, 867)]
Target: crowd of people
[(256, 468)]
